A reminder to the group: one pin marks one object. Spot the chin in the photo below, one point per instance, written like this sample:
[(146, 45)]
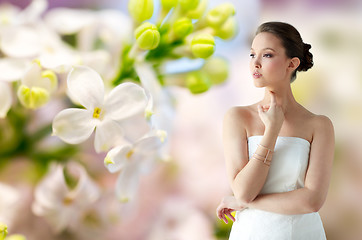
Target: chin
[(258, 84)]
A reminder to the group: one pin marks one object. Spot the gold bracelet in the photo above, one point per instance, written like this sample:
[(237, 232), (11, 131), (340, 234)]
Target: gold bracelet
[(265, 148), (265, 158), (266, 162), (261, 159), (269, 150)]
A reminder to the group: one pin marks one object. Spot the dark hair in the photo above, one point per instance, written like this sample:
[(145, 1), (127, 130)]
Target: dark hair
[(292, 42)]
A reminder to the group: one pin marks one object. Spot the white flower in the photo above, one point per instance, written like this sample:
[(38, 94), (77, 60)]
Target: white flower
[(68, 21), (20, 42), (161, 106), (61, 205), (132, 161), (36, 86), (12, 15), (54, 53), (94, 28), (33, 12), (8, 14), (19, 36), (102, 112)]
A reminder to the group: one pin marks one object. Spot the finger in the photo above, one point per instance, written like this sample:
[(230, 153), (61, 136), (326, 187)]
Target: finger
[(228, 213), (226, 220), (222, 215), (266, 107)]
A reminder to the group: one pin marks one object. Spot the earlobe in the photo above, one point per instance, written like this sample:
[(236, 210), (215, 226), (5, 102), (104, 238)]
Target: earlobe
[(294, 63)]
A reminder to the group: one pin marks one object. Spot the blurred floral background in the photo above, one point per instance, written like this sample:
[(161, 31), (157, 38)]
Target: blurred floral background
[(111, 128)]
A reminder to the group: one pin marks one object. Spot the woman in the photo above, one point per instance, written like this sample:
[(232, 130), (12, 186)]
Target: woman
[(278, 154)]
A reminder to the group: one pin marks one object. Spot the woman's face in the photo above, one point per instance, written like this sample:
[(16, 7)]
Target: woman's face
[(268, 61)]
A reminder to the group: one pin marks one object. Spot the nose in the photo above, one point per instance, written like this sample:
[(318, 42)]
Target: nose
[(257, 63)]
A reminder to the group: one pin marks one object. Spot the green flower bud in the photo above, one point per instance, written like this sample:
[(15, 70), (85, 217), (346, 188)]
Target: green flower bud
[(16, 237), (168, 4), (227, 30), (140, 10), (182, 27), (3, 231), (198, 11), (147, 36), (217, 16), (188, 4), (34, 97), (203, 45), (197, 82), (217, 69)]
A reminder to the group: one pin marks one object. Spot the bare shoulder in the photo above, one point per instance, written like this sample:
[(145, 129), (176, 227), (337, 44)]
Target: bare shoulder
[(323, 126), (240, 114), (237, 117), (322, 122)]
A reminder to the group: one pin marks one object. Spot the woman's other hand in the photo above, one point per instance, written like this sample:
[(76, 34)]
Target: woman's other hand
[(228, 205)]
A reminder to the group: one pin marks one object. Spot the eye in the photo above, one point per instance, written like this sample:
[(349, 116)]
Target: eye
[(267, 55), (252, 55)]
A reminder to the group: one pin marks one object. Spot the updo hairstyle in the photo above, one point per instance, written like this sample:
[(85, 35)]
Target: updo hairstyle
[(292, 42)]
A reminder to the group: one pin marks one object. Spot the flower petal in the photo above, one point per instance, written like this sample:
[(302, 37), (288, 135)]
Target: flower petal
[(68, 21), (127, 182), (86, 191), (149, 144), (86, 87), (5, 99), (108, 134), (12, 69), (116, 158), (8, 13), (50, 191), (125, 100), (74, 125), (135, 127), (110, 19), (32, 76), (149, 81), (99, 60), (33, 11), (21, 42)]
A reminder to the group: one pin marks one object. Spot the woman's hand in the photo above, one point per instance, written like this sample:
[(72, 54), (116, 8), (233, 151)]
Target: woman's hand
[(228, 205), (272, 116)]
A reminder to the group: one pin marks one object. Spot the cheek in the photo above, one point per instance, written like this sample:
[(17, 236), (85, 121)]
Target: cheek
[(276, 67)]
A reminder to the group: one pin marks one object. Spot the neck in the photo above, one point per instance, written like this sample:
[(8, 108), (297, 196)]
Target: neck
[(284, 97)]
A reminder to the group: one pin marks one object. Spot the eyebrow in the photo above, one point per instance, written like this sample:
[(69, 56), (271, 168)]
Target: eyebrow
[(265, 49)]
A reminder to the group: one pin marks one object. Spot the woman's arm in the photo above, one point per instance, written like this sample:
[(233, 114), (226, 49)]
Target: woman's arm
[(248, 177), (312, 196)]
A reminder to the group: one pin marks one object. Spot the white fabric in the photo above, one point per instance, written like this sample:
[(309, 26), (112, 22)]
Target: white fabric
[(287, 172)]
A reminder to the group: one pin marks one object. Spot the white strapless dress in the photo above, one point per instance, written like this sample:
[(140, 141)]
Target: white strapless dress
[(286, 173)]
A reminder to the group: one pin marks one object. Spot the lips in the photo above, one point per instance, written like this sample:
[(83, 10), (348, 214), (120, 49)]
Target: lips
[(257, 74)]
